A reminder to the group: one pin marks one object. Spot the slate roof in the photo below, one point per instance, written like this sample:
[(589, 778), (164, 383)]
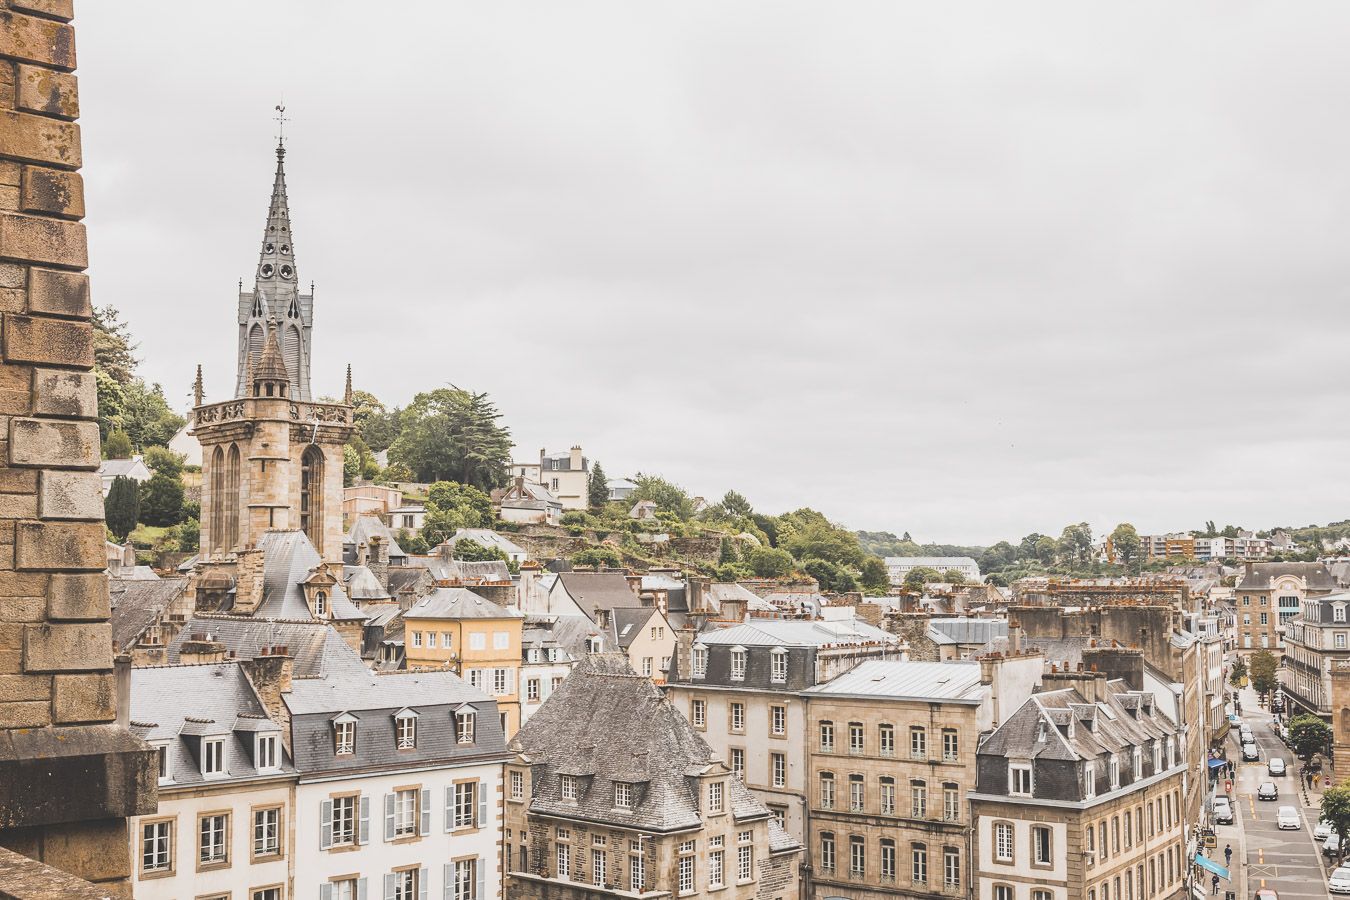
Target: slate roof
[(137, 604), (645, 741), (606, 590), (571, 632), (488, 538), (112, 468), (799, 633), (361, 584), (468, 572), (627, 623), (1262, 574), (316, 647), (458, 603), (720, 592), (966, 631), (1067, 651), (288, 558), (205, 700), (401, 577), (360, 533), (904, 680)]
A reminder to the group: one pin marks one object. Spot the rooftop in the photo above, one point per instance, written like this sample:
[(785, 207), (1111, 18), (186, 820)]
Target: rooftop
[(903, 680)]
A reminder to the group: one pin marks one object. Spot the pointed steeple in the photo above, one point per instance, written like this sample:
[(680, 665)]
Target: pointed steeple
[(276, 275), (347, 395), (197, 392)]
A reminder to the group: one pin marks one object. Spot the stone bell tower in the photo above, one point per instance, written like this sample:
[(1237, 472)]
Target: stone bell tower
[(272, 457)]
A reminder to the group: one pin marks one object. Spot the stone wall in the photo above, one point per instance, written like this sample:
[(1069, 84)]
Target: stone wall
[(70, 775)]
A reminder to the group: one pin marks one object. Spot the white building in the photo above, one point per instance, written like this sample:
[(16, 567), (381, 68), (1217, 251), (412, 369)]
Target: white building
[(900, 566), (134, 468), (489, 538)]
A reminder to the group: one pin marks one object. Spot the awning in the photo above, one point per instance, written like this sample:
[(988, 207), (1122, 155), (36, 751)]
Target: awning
[(1206, 864), (1216, 763)]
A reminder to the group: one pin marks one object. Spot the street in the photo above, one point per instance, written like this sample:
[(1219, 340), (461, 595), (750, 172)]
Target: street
[(1288, 861)]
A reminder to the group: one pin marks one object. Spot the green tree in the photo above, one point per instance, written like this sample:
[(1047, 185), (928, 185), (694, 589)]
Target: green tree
[(1238, 672), (1262, 667), (452, 506), (1336, 810), (162, 500), (1125, 542), (164, 461), (113, 349), (921, 575), (1000, 556), (599, 557), (667, 495), (146, 416), (876, 579), (822, 540), (451, 434), (727, 552), (377, 426), (411, 542), (117, 446), (187, 535), (597, 487), (122, 507), (351, 465), (1075, 543), (770, 562), (951, 576), (735, 504), (470, 550), (1309, 736), (829, 576)]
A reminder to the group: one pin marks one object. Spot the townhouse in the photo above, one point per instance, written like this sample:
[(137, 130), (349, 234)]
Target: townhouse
[(1316, 642), (1268, 595)]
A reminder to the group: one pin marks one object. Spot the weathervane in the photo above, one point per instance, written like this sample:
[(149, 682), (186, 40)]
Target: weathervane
[(281, 121)]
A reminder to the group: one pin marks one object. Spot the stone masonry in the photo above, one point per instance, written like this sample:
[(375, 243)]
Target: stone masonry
[(70, 773)]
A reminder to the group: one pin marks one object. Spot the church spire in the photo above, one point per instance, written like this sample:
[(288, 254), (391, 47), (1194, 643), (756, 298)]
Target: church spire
[(347, 395), (198, 393), (276, 263)]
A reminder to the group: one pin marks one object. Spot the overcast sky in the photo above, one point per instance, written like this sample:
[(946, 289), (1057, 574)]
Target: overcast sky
[(966, 270)]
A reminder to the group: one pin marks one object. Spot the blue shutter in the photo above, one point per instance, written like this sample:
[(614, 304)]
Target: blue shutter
[(325, 825), (449, 807), (426, 813), (422, 880), (480, 868), (364, 836), (326, 891), (389, 886), (482, 804), (448, 890)]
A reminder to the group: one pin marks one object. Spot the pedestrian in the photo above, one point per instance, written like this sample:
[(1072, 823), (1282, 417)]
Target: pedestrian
[(1215, 881), (1228, 855)]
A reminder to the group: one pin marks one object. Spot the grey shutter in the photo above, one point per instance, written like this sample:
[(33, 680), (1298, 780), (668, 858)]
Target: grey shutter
[(449, 807), (360, 889), (326, 891), (325, 825), (482, 804), (448, 891), (481, 870), (388, 817), (389, 886), (364, 836), (426, 813), (422, 880)]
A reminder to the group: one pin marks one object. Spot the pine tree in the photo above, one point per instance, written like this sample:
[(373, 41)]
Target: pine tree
[(122, 507), (597, 487), (117, 446), (162, 500)]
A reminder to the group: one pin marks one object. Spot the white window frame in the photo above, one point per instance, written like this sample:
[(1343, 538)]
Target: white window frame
[(778, 668), (405, 730), (738, 663), (1021, 779), (700, 661), (214, 762)]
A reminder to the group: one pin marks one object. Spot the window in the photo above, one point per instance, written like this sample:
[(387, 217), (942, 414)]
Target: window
[(1113, 767), (477, 641), (826, 790), (501, 640), (918, 742), (715, 797), (778, 769), (827, 737), (738, 664), (700, 660), (344, 737), (1340, 640), (464, 727), (827, 851), (599, 867), (623, 795), (887, 859), (321, 605), (738, 761), (500, 681), (1003, 841), (778, 668), (951, 802), (311, 492), (686, 868), (918, 854), (699, 713), (1042, 850), (267, 893), (887, 796), (1019, 779), (1265, 618), (463, 879), (162, 756), (404, 883), (213, 758), (716, 863), (266, 752), (778, 720), (445, 640), (417, 638), (855, 737), (405, 730), (1129, 832), (745, 858), (1003, 892), (737, 717), (951, 745), (637, 868), (157, 847), (267, 831), (517, 785), (342, 820), (856, 787), (564, 861), (568, 787), (857, 856), (465, 797), (886, 739), (405, 813), (556, 682), (214, 838), (532, 690), (951, 867), (918, 800)]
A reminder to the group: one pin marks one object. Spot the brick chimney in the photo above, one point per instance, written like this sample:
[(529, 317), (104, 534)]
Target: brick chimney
[(201, 649), (527, 587), (684, 655), (270, 674), (575, 460), (248, 581), (379, 560)]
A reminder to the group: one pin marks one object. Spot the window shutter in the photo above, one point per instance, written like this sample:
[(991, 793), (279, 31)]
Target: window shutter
[(422, 880), (448, 891), (388, 817), (364, 836), (482, 804), (325, 825), (389, 886), (426, 812), (360, 889), (481, 870), (449, 807), (326, 891)]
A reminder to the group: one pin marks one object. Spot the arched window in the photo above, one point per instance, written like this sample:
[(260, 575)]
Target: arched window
[(218, 499), (232, 498), (311, 495), (321, 605), (255, 345)]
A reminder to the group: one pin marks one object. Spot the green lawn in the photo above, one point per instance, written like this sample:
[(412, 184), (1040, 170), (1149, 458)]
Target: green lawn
[(146, 535)]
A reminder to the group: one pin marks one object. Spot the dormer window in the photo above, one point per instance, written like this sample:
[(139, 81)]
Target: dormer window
[(778, 670), (1138, 763), (405, 730), (344, 735), (213, 758), (623, 795), (1114, 767), (738, 663), (716, 795), (567, 787), (1157, 757), (321, 604), (1019, 779), (1089, 781), (700, 662), (267, 753), (464, 725), (1338, 613), (165, 772), (1171, 754)]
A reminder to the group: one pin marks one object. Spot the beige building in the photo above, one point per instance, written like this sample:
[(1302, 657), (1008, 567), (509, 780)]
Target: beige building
[(567, 476), (1268, 595), (1316, 642)]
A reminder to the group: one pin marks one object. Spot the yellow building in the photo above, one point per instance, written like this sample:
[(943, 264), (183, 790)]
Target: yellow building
[(454, 628)]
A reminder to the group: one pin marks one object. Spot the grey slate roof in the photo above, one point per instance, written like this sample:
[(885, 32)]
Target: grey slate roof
[(627, 623), (458, 603), (360, 533), (966, 631), (208, 700), (571, 632), (799, 633), (466, 571), (607, 724), (606, 590), (900, 679), (288, 558), (137, 603), (361, 584), (1318, 576), (316, 647), (488, 538)]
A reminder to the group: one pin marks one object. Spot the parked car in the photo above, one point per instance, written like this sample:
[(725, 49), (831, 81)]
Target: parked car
[(1339, 882), (1223, 811), (1288, 818), (1246, 732), (1332, 845), (1276, 766), (1250, 753), (1267, 791), (1234, 719), (1322, 830), (1248, 738), (1266, 894)]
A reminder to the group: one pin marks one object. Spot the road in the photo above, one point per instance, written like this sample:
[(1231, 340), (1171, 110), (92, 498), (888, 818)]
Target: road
[(1288, 861)]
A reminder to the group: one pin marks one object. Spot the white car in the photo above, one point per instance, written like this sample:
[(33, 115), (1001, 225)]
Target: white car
[(1287, 817), (1223, 811), (1275, 766), (1339, 882), (1323, 830)]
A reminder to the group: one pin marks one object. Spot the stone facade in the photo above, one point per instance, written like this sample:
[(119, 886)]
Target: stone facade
[(70, 773)]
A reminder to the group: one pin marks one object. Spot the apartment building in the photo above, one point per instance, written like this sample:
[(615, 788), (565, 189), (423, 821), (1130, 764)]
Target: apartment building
[(458, 630), (740, 688), (1268, 595), (1315, 643), (1079, 797), (900, 566), (566, 475), (545, 661), (611, 793)]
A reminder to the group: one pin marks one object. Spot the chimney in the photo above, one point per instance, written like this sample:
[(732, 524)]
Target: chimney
[(201, 649), (576, 463), (128, 555), (362, 554), (270, 674), (525, 588), (1247, 570), (635, 585), (520, 485), (695, 585), (684, 655), (1014, 635), (379, 560), (122, 685)]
